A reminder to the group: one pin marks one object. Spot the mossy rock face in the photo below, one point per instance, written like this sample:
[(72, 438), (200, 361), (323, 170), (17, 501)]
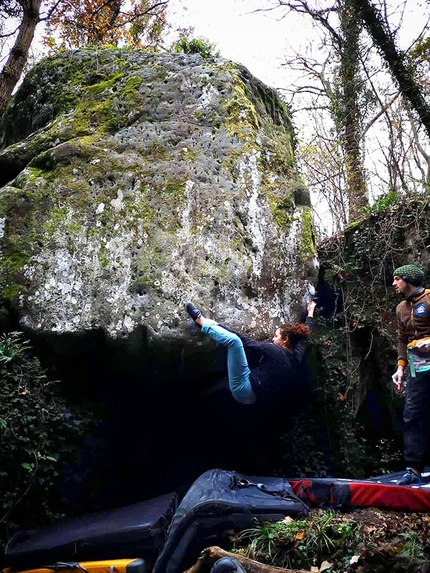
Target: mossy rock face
[(132, 182)]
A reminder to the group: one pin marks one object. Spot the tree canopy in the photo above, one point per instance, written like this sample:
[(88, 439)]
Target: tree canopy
[(101, 22), (73, 24)]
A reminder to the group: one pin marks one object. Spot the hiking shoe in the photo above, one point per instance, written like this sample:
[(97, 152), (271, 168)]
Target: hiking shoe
[(192, 310), (227, 565), (409, 478)]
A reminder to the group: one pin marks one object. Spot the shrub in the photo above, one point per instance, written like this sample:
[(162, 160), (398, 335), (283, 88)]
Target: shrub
[(300, 543), (195, 46), (336, 542), (38, 436)]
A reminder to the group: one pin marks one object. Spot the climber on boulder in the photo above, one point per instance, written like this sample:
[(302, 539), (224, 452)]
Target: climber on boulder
[(280, 364)]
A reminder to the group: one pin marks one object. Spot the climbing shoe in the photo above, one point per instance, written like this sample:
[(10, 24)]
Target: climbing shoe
[(227, 565), (192, 310), (409, 478)]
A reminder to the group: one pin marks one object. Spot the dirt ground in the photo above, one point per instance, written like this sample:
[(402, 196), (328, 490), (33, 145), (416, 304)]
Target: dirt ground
[(383, 541), (386, 525)]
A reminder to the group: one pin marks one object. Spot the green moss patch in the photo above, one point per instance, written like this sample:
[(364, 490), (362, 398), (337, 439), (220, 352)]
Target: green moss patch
[(307, 248)]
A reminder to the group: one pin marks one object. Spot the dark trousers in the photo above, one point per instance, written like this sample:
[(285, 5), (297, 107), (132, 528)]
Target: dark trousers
[(415, 418)]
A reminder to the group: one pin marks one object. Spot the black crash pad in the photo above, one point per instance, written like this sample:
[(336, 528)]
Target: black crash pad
[(220, 501), (136, 530)]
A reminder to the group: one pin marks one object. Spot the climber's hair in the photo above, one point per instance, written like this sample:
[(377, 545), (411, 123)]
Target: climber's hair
[(294, 332)]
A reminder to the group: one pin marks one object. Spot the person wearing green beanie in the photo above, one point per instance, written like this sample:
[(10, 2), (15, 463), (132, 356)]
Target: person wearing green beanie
[(410, 274), (413, 336)]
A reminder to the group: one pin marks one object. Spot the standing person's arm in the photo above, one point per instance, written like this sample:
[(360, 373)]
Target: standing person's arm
[(402, 360)]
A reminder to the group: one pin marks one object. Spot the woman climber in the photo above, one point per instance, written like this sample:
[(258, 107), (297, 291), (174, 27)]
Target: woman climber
[(279, 365)]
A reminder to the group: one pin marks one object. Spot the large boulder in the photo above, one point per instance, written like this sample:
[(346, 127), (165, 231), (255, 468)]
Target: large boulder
[(132, 182)]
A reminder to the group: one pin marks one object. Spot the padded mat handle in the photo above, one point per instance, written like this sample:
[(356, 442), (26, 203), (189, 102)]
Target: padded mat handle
[(66, 565)]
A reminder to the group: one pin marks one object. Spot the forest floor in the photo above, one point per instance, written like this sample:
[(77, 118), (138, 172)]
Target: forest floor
[(359, 541)]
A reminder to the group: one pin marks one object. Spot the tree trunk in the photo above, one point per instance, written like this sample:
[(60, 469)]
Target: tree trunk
[(14, 66), (211, 554), (350, 114), (409, 87)]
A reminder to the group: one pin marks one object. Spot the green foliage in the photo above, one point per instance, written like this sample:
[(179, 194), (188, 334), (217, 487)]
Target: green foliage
[(412, 550), (300, 543), (390, 198), (338, 543), (39, 435), (195, 46), (11, 345)]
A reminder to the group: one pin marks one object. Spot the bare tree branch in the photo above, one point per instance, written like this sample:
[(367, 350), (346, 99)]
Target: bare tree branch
[(401, 71)]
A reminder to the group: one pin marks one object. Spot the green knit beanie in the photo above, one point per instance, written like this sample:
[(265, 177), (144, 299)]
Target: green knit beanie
[(411, 274)]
